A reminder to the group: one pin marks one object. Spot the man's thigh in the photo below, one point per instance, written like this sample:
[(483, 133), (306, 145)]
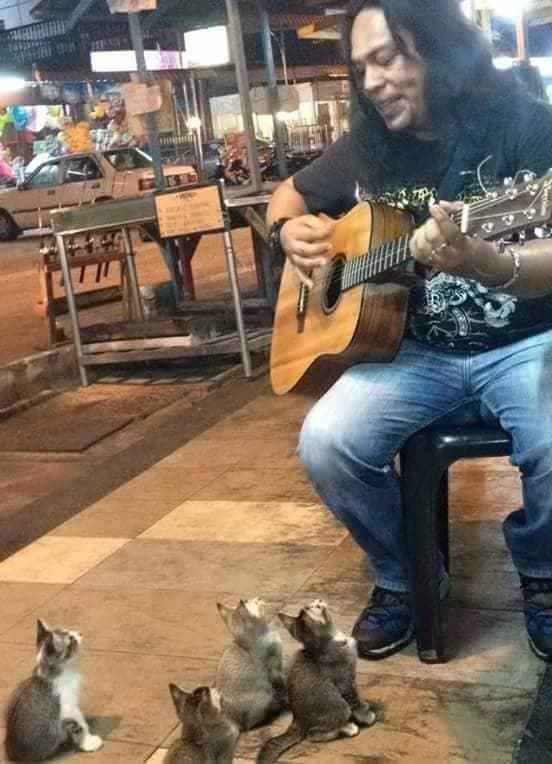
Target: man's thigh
[(376, 406), (516, 388)]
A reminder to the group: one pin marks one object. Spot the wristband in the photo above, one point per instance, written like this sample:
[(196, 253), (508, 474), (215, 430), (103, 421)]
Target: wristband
[(274, 241)]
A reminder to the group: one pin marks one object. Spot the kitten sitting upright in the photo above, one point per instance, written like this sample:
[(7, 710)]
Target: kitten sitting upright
[(322, 689), (43, 713), (250, 673), (208, 736)]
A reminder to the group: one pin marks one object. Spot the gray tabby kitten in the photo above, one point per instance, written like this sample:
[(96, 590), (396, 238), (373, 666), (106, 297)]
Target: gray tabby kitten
[(208, 735), (43, 713), (322, 689), (250, 673)]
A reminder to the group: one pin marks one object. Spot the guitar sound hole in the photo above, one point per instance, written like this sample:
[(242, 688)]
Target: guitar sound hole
[(334, 279)]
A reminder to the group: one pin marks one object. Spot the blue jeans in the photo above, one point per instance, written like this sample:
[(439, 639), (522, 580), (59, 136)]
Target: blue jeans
[(350, 438)]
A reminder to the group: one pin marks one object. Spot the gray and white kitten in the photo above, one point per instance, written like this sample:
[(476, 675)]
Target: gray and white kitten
[(208, 735), (250, 672), (43, 713), (322, 689)]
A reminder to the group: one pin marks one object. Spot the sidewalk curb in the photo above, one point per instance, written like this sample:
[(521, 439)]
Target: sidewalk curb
[(24, 380)]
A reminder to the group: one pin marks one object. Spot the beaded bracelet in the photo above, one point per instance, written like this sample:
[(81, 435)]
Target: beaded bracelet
[(516, 261)]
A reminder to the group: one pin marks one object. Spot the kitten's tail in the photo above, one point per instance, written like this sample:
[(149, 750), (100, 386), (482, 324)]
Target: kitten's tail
[(276, 746)]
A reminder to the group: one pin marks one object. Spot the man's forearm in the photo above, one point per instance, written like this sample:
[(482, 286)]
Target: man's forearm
[(285, 202), (535, 269)]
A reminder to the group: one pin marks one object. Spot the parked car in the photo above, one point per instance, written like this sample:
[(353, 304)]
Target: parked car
[(76, 179)]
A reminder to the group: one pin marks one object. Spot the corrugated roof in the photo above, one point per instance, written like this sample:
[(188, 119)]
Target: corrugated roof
[(286, 14)]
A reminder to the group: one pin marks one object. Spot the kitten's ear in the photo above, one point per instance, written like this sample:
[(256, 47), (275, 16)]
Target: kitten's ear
[(178, 696), (226, 614), (290, 622), (42, 631)]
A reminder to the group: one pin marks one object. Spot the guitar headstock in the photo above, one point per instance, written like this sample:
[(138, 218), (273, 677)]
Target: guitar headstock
[(517, 208)]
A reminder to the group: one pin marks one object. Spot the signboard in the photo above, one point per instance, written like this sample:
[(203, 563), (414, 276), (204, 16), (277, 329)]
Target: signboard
[(131, 6), (189, 210), (164, 117), (125, 60), (288, 99), (206, 47), (141, 98), (330, 90)]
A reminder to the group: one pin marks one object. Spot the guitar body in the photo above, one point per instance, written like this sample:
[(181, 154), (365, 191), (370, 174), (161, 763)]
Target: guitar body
[(346, 317), (365, 323)]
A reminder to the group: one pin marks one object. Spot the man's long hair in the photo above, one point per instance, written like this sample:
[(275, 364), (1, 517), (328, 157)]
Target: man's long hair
[(461, 79)]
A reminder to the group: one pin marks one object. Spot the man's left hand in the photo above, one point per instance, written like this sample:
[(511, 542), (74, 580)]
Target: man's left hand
[(439, 243)]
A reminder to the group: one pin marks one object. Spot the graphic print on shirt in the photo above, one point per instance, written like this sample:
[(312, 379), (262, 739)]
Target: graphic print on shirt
[(447, 310)]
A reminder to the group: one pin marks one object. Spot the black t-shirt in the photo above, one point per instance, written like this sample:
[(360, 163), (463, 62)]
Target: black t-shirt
[(446, 311)]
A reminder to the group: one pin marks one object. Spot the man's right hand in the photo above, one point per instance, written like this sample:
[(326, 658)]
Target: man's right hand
[(306, 241)]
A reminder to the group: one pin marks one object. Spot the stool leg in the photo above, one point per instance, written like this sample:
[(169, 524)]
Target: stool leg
[(443, 519), (421, 474)]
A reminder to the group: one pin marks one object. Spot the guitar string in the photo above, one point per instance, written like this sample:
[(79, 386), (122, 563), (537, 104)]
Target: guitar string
[(371, 255)]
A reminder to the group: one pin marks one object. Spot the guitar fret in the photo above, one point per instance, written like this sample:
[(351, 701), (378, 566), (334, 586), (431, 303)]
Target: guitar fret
[(382, 258)]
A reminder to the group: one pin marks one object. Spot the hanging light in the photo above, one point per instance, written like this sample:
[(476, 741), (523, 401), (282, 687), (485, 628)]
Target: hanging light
[(468, 9), (193, 123), (510, 9), (11, 84)]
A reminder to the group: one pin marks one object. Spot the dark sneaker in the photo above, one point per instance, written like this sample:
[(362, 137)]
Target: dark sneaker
[(385, 626), (537, 596)]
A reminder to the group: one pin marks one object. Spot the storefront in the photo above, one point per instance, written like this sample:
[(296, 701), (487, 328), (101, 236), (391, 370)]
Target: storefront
[(48, 119)]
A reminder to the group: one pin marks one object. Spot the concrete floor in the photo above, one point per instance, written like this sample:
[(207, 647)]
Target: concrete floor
[(134, 542)]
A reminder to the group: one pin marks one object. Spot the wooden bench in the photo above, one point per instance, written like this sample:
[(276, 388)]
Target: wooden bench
[(83, 256)]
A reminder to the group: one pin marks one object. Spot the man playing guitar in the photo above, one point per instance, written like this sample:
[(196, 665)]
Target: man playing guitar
[(431, 119)]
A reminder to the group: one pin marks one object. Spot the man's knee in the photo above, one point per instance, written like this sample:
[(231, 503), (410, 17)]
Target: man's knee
[(318, 441), (536, 461)]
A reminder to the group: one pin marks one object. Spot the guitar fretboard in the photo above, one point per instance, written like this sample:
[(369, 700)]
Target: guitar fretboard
[(376, 261)]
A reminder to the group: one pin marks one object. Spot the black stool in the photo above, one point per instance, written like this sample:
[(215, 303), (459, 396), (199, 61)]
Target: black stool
[(425, 459)]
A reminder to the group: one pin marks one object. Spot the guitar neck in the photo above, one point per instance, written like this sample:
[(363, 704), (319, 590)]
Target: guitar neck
[(379, 260)]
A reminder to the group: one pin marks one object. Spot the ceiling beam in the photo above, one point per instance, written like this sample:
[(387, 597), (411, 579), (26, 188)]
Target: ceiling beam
[(77, 13)]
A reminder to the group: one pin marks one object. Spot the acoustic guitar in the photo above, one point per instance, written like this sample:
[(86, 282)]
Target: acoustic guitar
[(357, 308)]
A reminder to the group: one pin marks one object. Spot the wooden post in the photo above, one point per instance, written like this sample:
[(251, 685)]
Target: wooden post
[(238, 53), (521, 37)]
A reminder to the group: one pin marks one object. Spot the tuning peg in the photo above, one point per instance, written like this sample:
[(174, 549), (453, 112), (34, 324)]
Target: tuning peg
[(508, 182), (527, 177), (543, 232)]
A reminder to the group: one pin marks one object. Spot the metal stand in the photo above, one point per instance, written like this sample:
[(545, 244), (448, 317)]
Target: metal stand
[(134, 295), (134, 290), (151, 341), (72, 305), (236, 296)]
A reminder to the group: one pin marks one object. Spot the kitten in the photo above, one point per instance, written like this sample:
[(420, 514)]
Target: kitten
[(43, 713), (250, 673), (322, 689), (208, 735)]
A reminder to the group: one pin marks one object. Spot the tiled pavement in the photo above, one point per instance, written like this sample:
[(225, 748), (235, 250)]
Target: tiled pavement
[(230, 514)]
